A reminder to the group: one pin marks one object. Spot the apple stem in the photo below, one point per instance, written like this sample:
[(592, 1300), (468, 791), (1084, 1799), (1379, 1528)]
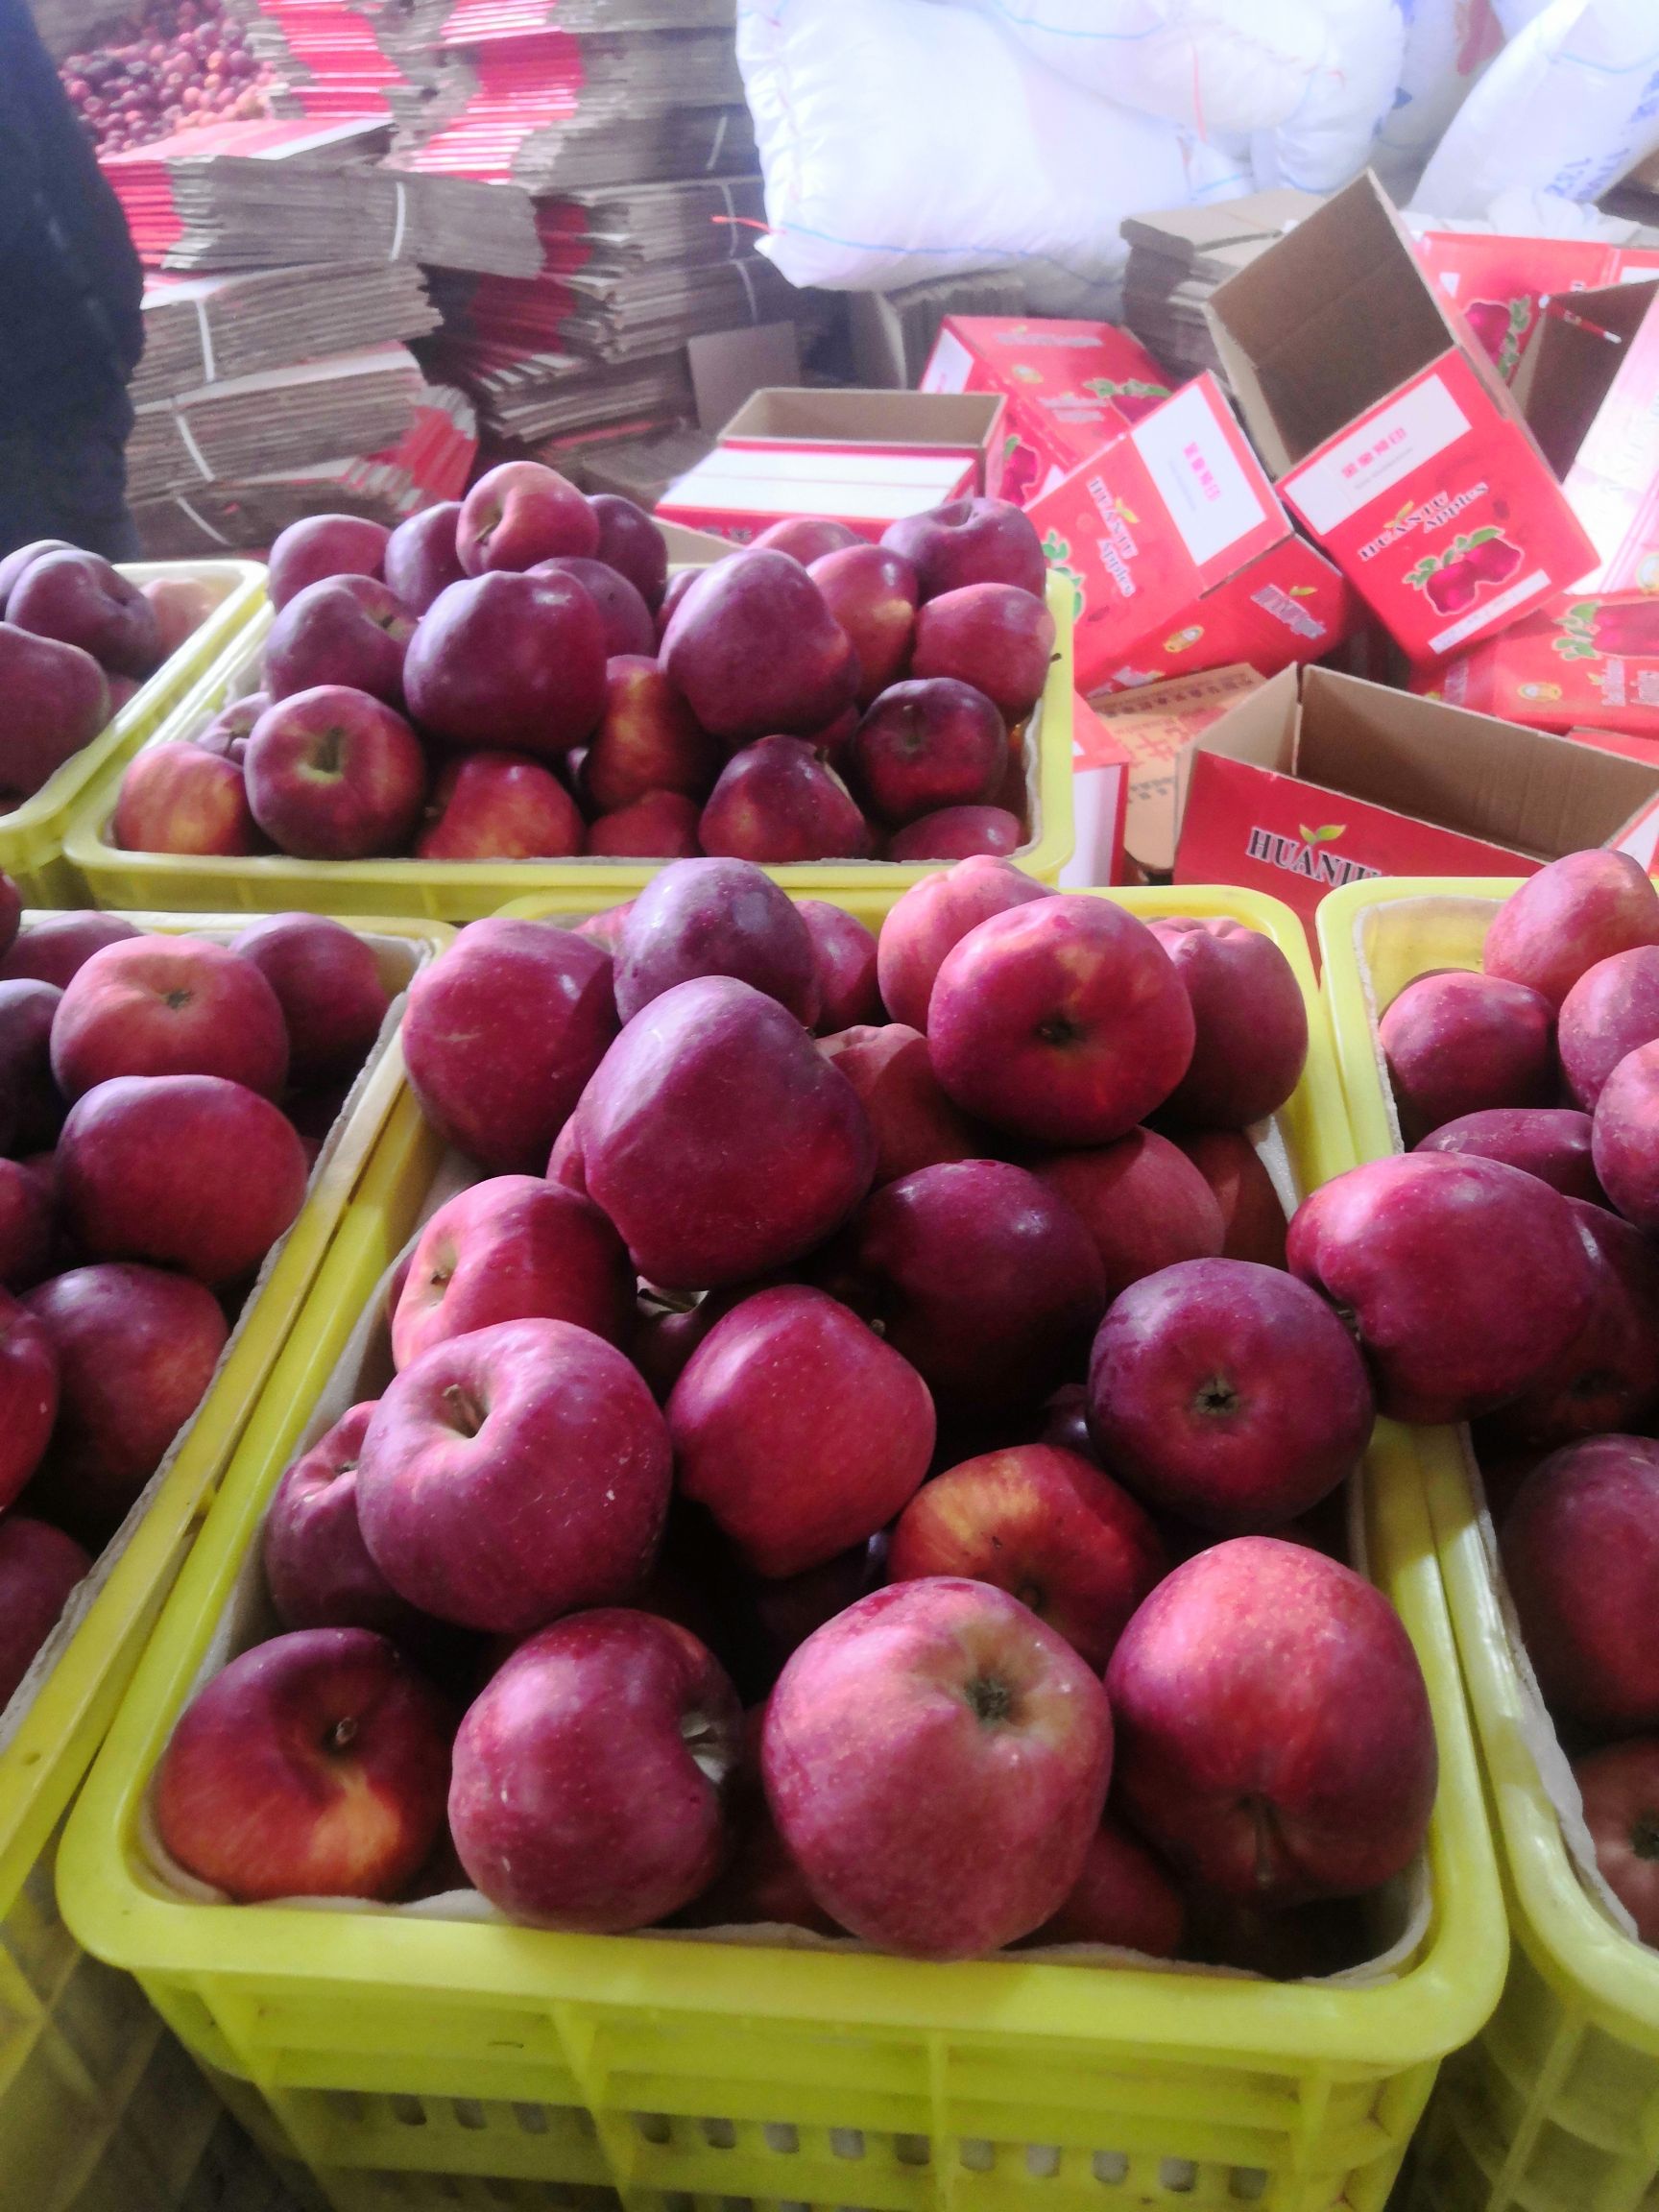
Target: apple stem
[(469, 1416), (342, 1735)]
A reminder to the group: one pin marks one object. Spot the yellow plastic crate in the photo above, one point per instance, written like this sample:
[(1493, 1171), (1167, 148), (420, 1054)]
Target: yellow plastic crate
[(462, 891), (32, 835), (1555, 2107), (414, 2062), (95, 2109)]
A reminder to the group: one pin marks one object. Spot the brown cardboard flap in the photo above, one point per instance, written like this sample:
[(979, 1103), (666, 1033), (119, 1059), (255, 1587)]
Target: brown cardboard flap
[(1568, 370), (1187, 234), (1261, 729), (1542, 795), (963, 420)]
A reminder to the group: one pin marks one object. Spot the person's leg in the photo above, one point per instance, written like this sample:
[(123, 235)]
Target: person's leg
[(68, 479)]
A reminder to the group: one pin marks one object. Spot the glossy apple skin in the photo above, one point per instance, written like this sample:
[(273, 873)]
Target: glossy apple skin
[(27, 1229), (627, 619), (57, 700), (1465, 1278), (1251, 1041), (913, 1123), (502, 1033), (420, 559), (1142, 1201), (166, 1005), (316, 1566), (778, 801), (79, 600), (970, 541), (513, 1248), (845, 954), (936, 1761), (135, 1349), (591, 1775), (520, 512), (992, 635), (27, 1011), (658, 826), (799, 1430), (335, 775), (39, 1566), (1624, 1137), (872, 592), (649, 739), (1609, 1382), (717, 1140), (1553, 1142), (1581, 1548), (180, 606), (327, 984), (755, 652), (1063, 1021), (190, 1171), (1229, 1394), (760, 1883), (321, 545), (314, 1765), (29, 1395), (631, 543), (1275, 1741), (1620, 1786), (1612, 1009), (347, 630), (53, 947), (180, 799), (927, 745), (1572, 914), (13, 566), (716, 916), (981, 1277), (1459, 1044), (513, 1474), (936, 914), (807, 537), (499, 807), (1046, 1527), (506, 663), (958, 834), (1122, 1897)]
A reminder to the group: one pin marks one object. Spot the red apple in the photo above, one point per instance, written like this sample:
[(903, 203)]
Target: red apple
[(1122, 1897), (135, 1349), (1458, 1044), (934, 915), (648, 741), (716, 918), (1044, 1526), (178, 798), (927, 745), (327, 984), (755, 652), (1462, 1278), (499, 807), (11, 912), (57, 701), (1624, 1137), (513, 1248), (316, 1566), (1619, 1787), (1609, 1379), (315, 1766), (799, 1430), (335, 775), (1064, 1020), (513, 1474), (834, 743), (590, 1774), (1253, 1222), (420, 559), (27, 1011), (872, 592), (631, 543), (996, 637), (679, 583), (807, 537), (11, 567), (1612, 1009), (970, 541), (519, 513), (958, 834), (1571, 915), (776, 800), (181, 606), (936, 1760), (1252, 1025), (509, 663), (986, 1280), (322, 545), (501, 1034), (627, 619), (79, 600), (1549, 1142), (1145, 1206), (52, 949), (717, 1140), (228, 731), (39, 1566), (657, 826), (169, 1006), (29, 1394), (845, 952), (350, 631), (913, 1123), (190, 1171), (1275, 1741), (761, 1884), (1229, 1394), (26, 1231)]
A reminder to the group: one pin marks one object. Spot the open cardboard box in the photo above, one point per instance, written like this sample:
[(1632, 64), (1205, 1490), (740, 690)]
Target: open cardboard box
[(1390, 433), (1307, 786)]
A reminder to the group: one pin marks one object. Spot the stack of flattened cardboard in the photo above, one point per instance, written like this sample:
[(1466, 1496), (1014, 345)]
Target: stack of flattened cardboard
[(529, 399), (202, 330), (1176, 260), (614, 316)]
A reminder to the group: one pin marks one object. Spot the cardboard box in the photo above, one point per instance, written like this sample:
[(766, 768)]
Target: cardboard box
[(1177, 257), (1153, 727), (1592, 664), (1312, 783), (965, 425), (1179, 555), (740, 491), (1390, 435), (892, 332), (1100, 770), (1589, 387), (1499, 285), (1070, 387)]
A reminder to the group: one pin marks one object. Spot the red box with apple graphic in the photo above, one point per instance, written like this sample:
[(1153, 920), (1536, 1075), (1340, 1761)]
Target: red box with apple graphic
[(1591, 664)]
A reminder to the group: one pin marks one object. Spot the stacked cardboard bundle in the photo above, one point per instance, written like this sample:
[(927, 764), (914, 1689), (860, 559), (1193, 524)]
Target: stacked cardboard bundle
[(610, 315), (201, 330), (1177, 260), (622, 227), (527, 399)]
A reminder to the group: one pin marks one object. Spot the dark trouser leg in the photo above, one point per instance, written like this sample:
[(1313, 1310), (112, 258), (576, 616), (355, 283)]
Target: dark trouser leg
[(68, 479)]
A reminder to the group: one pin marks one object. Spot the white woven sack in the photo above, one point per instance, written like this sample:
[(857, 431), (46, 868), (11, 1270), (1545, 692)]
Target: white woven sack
[(1450, 44)]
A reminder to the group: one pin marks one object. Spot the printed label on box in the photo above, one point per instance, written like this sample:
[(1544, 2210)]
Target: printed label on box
[(1212, 499), (1386, 446), (1595, 665)]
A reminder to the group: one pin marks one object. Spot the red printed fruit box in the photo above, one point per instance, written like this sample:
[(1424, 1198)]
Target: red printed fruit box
[(1499, 284), (1176, 546), (1594, 665), (1071, 387), (1318, 781), (1390, 435), (1100, 770)]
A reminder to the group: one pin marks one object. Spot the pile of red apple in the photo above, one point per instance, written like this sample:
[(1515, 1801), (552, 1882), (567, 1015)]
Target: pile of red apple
[(858, 1460), (1537, 1080), (515, 678), (76, 641), (184, 63), (147, 1169)]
